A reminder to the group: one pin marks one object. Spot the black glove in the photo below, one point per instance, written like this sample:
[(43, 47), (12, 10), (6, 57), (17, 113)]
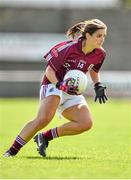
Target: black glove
[(67, 86), (100, 93)]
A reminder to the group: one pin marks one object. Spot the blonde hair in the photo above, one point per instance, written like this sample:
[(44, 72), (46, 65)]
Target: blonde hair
[(88, 26)]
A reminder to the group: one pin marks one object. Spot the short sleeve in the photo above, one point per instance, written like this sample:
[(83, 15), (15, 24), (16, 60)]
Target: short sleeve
[(97, 67), (56, 58)]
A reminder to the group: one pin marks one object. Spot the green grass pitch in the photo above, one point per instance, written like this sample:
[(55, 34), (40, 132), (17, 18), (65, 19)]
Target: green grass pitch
[(103, 152)]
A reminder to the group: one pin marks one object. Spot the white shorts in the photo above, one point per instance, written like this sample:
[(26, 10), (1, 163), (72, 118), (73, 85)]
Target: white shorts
[(66, 100)]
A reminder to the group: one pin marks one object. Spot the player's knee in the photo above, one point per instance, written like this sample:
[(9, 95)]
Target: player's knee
[(41, 122), (89, 124), (86, 125)]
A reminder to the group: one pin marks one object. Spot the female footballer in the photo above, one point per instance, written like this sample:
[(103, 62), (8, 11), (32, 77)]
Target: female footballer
[(83, 52)]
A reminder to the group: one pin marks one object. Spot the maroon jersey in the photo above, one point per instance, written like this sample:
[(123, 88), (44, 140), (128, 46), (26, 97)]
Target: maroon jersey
[(69, 55)]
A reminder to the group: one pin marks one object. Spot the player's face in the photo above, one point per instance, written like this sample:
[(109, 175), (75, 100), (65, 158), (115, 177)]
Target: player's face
[(97, 39)]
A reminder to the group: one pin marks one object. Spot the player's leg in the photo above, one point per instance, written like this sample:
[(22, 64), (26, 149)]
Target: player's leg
[(45, 114), (75, 109), (80, 120)]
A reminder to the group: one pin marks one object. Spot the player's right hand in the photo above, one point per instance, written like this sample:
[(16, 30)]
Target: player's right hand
[(67, 86)]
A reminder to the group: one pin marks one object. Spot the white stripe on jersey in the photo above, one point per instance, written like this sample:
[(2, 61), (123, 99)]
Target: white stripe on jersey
[(53, 66), (66, 45), (49, 56)]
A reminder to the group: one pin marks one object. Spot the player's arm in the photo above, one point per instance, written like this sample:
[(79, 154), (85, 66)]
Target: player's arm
[(95, 76), (98, 86), (51, 75)]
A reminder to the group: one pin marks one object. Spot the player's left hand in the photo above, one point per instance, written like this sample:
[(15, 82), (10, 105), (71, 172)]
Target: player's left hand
[(100, 93)]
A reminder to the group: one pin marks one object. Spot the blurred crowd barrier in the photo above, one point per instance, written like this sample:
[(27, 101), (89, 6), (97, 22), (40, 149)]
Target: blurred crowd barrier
[(18, 83), (16, 48), (22, 66)]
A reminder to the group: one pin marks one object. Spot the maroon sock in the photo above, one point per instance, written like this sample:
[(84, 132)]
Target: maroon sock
[(17, 145), (50, 134)]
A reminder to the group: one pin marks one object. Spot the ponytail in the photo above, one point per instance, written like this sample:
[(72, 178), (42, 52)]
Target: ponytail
[(76, 30), (88, 26)]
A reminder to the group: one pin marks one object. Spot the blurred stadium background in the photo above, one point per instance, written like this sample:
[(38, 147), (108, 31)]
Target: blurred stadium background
[(29, 28)]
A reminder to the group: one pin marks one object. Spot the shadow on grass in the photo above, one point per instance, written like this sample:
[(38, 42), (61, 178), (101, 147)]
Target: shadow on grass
[(55, 158)]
